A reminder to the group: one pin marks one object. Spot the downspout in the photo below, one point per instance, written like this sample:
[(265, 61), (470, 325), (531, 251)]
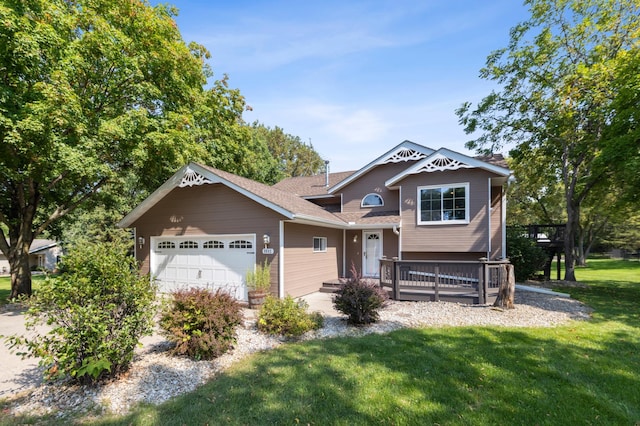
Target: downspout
[(344, 252), (489, 218), (281, 260)]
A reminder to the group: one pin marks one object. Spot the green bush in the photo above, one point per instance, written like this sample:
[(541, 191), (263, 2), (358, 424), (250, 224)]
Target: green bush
[(287, 317), (98, 307), (523, 253), (201, 324), (360, 299)]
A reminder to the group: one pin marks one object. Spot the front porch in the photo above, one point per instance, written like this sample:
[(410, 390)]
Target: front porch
[(469, 282)]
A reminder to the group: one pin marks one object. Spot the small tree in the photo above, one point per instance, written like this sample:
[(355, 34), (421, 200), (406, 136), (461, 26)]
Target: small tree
[(523, 253), (360, 299), (99, 308)]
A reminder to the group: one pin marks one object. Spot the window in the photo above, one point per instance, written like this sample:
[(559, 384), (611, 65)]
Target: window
[(319, 244), (443, 204), (372, 200), (244, 244), (188, 245), (166, 245), (213, 245)]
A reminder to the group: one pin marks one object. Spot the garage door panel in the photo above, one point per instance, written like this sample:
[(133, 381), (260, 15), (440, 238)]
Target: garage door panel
[(215, 267)]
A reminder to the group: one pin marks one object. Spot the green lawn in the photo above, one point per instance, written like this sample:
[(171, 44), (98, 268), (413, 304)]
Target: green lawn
[(5, 287), (581, 373)]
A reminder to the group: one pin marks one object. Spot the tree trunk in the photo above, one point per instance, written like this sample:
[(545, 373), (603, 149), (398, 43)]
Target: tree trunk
[(20, 271), (507, 289)]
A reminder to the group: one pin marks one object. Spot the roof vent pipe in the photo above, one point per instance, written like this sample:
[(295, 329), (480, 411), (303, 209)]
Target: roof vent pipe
[(326, 173)]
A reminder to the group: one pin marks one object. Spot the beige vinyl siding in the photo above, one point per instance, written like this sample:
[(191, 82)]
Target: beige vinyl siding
[(373, 183), (466, 256), (354, 249), (455, 238), (304, 269), (206, 210), (496, 222)]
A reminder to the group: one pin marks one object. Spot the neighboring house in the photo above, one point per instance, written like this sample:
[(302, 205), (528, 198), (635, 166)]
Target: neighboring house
[(207, 227), (43, 254)]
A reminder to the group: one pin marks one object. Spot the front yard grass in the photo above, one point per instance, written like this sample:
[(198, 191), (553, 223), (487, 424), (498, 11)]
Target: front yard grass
[(5, 286), (580, 373)]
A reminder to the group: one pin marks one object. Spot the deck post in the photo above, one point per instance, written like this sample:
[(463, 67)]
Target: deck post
[(483, 283), (396, 280), (436, 283)]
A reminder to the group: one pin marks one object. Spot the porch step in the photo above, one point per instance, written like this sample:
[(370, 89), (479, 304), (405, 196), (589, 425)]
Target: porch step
[(330, 286)]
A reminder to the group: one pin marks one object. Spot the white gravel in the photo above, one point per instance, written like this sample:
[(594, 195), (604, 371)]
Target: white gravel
[(155, 376)]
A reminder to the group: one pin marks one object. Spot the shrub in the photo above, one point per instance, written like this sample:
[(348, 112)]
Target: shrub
[(360, 299), (523, 253), (287, 317), (98, 307), (201, 324)]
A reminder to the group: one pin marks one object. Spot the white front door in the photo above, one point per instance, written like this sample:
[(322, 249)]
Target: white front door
[(371, 253)]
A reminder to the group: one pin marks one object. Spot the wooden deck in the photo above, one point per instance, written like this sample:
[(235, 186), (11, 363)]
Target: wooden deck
[(450, 281)]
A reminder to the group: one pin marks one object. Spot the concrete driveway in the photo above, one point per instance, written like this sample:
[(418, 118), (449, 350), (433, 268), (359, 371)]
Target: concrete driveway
[(16, 374)]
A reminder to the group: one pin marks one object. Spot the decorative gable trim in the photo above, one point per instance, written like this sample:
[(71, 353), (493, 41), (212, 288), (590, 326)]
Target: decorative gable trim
[(404, 152), (440, 163), (191, 178), (445, 159)]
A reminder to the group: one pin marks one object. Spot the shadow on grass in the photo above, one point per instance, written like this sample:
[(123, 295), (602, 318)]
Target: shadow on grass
[(422, 376)]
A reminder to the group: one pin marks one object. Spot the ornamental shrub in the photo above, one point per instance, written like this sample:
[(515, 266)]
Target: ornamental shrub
[(360, 299), (201, 324), (287, 317), (526, 257), (98, 308)]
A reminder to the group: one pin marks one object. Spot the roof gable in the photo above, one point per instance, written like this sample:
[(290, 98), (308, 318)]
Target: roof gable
[(285, 203), (406, 151), (445, 159)]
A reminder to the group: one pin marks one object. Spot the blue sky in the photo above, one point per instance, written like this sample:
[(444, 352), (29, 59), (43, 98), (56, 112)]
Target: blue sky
[(354, 78)]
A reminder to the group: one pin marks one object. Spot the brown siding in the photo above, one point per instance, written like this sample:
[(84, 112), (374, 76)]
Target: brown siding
[(496, 222), (304, 269), (373, 182), (467, 256), (210, 209), (455, 238)]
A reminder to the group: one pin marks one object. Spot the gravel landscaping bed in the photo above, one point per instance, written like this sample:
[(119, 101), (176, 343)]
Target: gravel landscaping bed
[(155, 376)]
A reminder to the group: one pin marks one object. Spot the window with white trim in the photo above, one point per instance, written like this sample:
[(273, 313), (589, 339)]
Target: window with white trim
[(443, 204), (166, 245), (372, 200), (188, 245), (241, 244), (319, 244), (214, 244)]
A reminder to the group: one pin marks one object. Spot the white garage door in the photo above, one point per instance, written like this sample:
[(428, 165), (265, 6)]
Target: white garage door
[(203, 261)]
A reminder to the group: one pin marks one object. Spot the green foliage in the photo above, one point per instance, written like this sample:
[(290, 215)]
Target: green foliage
[(98, 307), (360, 299), (293, 157), (201, 324), (260, 279), (523, 253), (287, 317)]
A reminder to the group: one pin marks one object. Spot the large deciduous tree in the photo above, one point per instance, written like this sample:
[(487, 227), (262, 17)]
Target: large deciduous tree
[(88, 92), (558, 80)]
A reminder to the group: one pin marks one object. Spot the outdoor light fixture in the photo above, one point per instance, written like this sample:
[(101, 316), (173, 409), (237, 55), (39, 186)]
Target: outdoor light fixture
[(266, 239), (140, 241), (355, 238)]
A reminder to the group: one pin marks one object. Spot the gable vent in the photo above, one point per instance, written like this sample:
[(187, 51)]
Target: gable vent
[(192, 178), (404, 154)]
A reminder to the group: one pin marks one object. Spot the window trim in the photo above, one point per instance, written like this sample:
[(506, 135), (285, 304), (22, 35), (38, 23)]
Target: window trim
[(322, 247), (362, 204), (464, 221)]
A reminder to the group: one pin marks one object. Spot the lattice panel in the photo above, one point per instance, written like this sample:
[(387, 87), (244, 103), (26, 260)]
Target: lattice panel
[(192, 178)]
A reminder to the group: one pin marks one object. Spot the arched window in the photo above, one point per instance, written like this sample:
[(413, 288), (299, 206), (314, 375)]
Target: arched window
[(244, 244), (188, 245), (214, 244), (372, 200), (166, 245)]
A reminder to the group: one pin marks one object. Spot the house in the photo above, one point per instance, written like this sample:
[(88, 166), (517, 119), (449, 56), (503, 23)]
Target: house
[(206, 227), (43, 254)]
